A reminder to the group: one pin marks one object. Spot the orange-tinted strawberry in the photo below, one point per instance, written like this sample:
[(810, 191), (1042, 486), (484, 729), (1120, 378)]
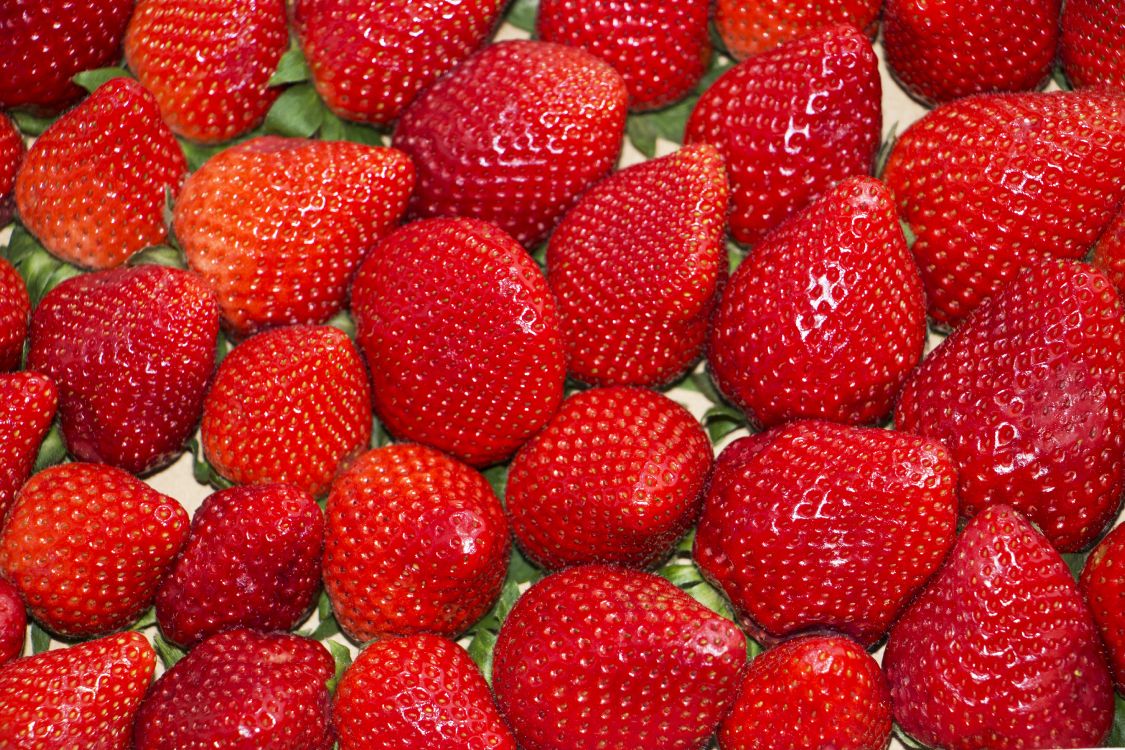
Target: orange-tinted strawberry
[(1103, 585), (752, 27), (13, 621), (27, 408), (11, 156), (15, 306), (1109, 253), (1092, 46)]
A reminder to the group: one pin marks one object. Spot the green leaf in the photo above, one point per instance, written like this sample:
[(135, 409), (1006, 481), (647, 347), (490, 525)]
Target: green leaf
[(685, 545), (297, 113), (325, 629), (40, 270), (159, 255), (735, 256), (169, 653), (907, 741), (682, 575), (485, 632), (497, 476), (522, 14), (885, 151), (198, 153), (52, 450), (1117, 734), (908, 233), (332, 129), (30, 124), (379, 435), (91, 80), (645, 128), (342, 655), (40, 639), (721, 420), (203, 471), (359, 133), (1075, 561), (703, 384), (223, 345), (521, 570), (147, 620), (1060, 79), (324, 606), (291, 68)]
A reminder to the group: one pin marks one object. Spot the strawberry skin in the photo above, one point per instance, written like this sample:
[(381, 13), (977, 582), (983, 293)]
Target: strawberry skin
[(15, 306), (1103, 586), (27, 408), (636, 268), (1109, 253), (1092, 47), (13, 622), (11, 156), (751, 28), (809, 107)]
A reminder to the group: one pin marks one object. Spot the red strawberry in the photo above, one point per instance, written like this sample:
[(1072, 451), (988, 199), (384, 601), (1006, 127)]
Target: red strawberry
[(991, 184), (252, 560), (1109, 253), (604, 657), (826, 318), (461, 335), (421, 691), (1029, 395), (13, 622), (810, 107), (288, 405), (1092, 46), (11, 156), (414, 542), (93, 187), (636, 266), (370, 60), (514, 135), (131, 351), (1103, 586), (14, 309), (277, 226), (87, 545), (242, 690), (616, 476), (999, 651), (751, 28), (27, 409), (208, 62)]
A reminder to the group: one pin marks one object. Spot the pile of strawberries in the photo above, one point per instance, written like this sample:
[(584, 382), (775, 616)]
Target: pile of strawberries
[(378, 273)]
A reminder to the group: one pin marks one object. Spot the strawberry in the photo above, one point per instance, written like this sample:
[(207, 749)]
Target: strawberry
[(14, 309), (661, 48), (616, 476), (277, 226), (13, 622), (826, 318), (241, 689), (1103, 586), (87, 546), (11, 156), (111, 156), (636, 267), (597, 656), (751, 28), (419, 691), (131, 351), (414, 542), (1029, 396), (27, 409), (514, 135), (809, 107), (1092, 46), (460, 332), (288, 405), (999, 651), (370, 60), (814, 692), (1109, 253), (208, 62)]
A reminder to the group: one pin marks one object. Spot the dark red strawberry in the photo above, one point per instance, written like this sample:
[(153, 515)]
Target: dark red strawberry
[(112, 156), (1109, 253), (826, 318), (15, 306), (322, 420), (27, 409), (1103, 585), (11, 156), (1000, 651), (1029, 395), (13, 622), (636, 267), (242, 690), (1092, 46), (751, 28), (809, 107), (461, 335), (514, 135)]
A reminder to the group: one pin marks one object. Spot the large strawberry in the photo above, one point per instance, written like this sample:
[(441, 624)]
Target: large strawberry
[(14, 309), (636, 267), (277, 226), (13, 622), (1103, 585), (990, 184), (1109, 253), (513, 135), (809, 107), (93, 187), (1092, 46), (751, 28), (27, 408), (1029, 395), (11, 156), (208, 62)]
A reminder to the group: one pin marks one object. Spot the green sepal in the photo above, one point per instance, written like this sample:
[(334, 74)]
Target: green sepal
[(908, 233), (291, 68), (147, 620), (884, 152), (342, 656), (343, 321), (168, 652), (40, 639), (906, 740), (380, 437), (32, 124), (40, 270), (497, 476), (721, 420), (521, 570), (197, 154), (159, 255), (297, 113), (1075, 561), (485, 633), (645, 128), (1058, 75), (203, 471), (703, 384), (735, 256), (1117, 733), (52, 450), (522, 15), (92, 80)]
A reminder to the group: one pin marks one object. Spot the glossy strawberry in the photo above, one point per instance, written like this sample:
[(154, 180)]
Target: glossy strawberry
[(1103, 586), (1092, 46), (289, 405), (636, 267), (27, 409), (514, 135), (11, 156), (1000, 651), (1029, 396), (751, 28), (277, 226), (13, 622), (1109, 253), (809, 107), (14, 309), (111, 156), (460, 332), (208, 62)]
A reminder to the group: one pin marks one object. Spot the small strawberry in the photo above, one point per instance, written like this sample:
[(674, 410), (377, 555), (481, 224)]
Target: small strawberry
[(11, 156), (1109, 252), (636, 267), (809, 107), (14, 309), (751, 28), (13, 622), (514, 135), (27, 409), (1103, 585), (1092, 47), (93, 187)]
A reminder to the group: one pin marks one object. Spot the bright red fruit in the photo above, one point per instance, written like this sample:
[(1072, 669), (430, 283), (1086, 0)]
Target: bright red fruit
[(1109, 253), (13, 621), (27, 408), (11, 156), (14, 309), (1092, 47), (751, 28), (1103, 585)]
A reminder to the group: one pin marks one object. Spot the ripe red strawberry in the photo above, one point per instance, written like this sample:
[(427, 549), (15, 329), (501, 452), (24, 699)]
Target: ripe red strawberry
[(277, 226), (1029, 396), (14, 309), (1103, 586), (616, 476), (241, 689), (131, 351), (27, 409), (11, 156), (751, 28), (421, 691), (1109, 253), (94, 186), (252, 560), (289, 405), (414, 542), (208, 62), (826, 318), (514, 135), (13, 621), (636, 267), (87, 545), (991, 184), (1092, 46), (809, 107), (597, 656), (814, 692), (370, 60), (461, 335), (660, 47), (1000, 651)]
